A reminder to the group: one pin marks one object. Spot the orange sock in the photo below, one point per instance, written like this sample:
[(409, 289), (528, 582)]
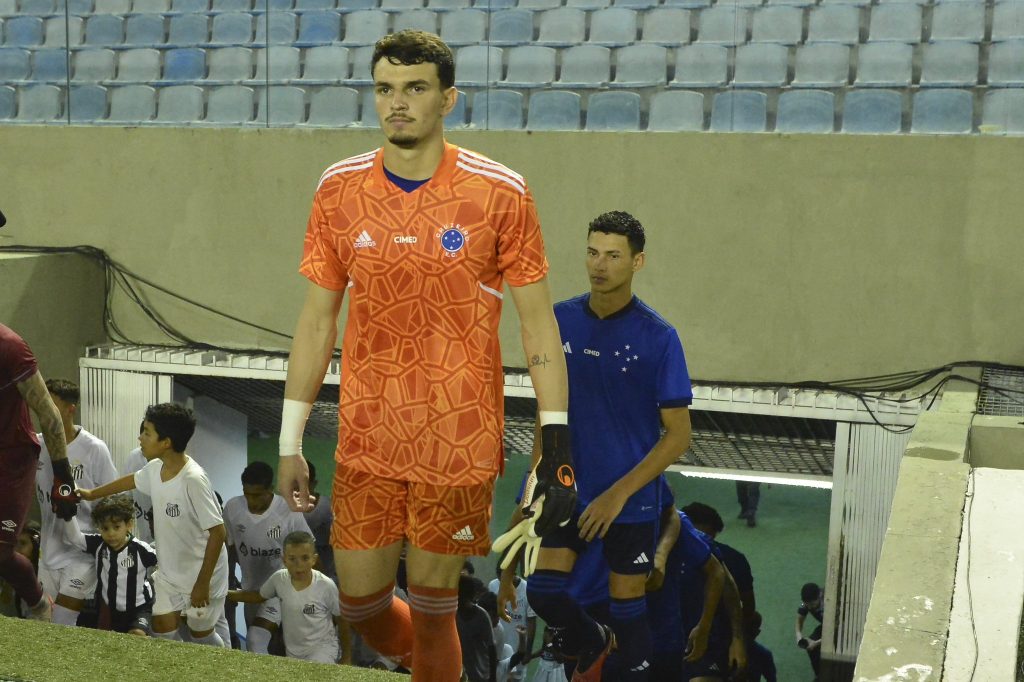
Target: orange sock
[(437, 656), (383, 621)]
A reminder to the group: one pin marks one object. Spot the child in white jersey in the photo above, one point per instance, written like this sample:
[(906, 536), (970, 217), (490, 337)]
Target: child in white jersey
[(310, 610)]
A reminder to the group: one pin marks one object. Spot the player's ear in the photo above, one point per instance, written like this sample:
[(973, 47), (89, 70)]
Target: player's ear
[(638, 261), (451, 96)]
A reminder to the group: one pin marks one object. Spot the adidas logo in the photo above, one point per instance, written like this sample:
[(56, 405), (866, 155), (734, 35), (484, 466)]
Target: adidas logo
[(464, 535), (364, 241), (642, 559), (640, 668), (567, 348)]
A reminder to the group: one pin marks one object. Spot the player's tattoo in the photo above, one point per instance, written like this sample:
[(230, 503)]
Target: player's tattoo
[(538, 361), (33, 391)]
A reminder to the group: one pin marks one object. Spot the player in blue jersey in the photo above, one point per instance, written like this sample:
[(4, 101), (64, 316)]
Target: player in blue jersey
[(627, 381)]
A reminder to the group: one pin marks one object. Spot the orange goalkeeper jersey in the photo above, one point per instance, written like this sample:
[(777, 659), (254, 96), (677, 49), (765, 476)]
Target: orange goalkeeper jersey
[(421, 380)]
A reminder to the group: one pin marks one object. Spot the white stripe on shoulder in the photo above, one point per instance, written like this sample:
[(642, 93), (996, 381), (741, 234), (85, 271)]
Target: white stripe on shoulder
[(358, 158), (489, 163), (352, 163), (497, 176), (490, 290), (344, 169)]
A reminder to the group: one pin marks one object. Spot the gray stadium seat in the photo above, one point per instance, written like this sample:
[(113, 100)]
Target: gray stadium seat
[(14, 64), (188, 6), (326, 63), (821, 65), (834, 24), (184, 64), (23, 32), (676, 110), (38, 103), (282, 28), (856, 3), (493, 5), (896, 23), (8, 8), (724, 25), (639, 5), (478, 65), (943, 111), (36, 7), (873, 112), (230, 105), (229, 65), (778, 25), (360, 58), (132, 104), (701, 66), (530, 66), (151, 6), (447, 5), (613, 27), (87, 103), (334, 108), (539, 5), (553, 110), (316, 5), (1004, 112), (188, 29), (49, 66), (640, 66), (400, 5), (232, 6), (138, 66), (668, 26), (144, 29), (688, 4), (94, 65), (562, 27), (1006, 64), (791, 3), (180, 104), (416, 19), (104, 30), (498, 110), (511, 27), (589, 5), (456, 118), (613, 111), (465, 27), (959, 20), (806, 111), (7, 102), (56, 31), (368, 114), (884, 65), (761, 65), (232, 29), (585, 66), (1008, 21), (319, 28), (357, 5), (741, 111), (365, 27), (284, 64), (950, 64)]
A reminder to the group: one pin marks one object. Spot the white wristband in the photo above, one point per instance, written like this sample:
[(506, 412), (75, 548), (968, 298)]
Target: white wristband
[(552, 417), (293, 422)]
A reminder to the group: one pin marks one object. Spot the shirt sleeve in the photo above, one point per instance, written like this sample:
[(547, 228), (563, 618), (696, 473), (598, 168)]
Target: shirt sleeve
[(204, 503), (694, 550), (147, 553), (674, 389), (521, 258), (17, 362), (229, 522), (331, 596), (142, 479), (93, 542), (802, 611), (269, 588), (321, 263)]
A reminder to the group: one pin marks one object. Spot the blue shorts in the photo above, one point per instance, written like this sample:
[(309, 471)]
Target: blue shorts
[(628, 547), (714, 663)]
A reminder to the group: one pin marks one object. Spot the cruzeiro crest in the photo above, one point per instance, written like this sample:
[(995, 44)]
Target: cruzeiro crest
[(453, 238)]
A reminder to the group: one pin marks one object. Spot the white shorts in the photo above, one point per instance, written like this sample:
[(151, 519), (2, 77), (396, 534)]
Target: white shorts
[(325, 655), (168, 600), (76, 580), (268, 610)]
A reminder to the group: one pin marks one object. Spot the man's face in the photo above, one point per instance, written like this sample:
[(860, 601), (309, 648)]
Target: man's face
[(150, 443), (299, 559), (411, 104), (610, 263), (115, 532), (257, 497)]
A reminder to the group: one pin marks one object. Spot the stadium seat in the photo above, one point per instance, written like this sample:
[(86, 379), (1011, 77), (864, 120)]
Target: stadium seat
[(188, 29), (230, 105), (49, 66), (498, 110), (613, 111), (959, 20), (821, 65), (778, 25), (334, 108), (456, 118), (493, 5), (529, 66), (447, 5), (687, 4), (417, 19), (701, 66), (639, 5), (368, 114), (724, 25), (23, 32), (188, 6), (229, 65), (232, 6), (950, 64), (104, 30), (14, 64), (284, 64), (562, 27), (93, 65), (326, 64), (357, 5), (553, 110), (791, 3), (884, 65), (400, 5), (151, 6), (741, 111), (761, 65), (39, 8), (319, 28), (39, 103), (132, 104), (360, 58), (56, 31), (1004, 112), (640, 65), (943, 111), (232, 29), (539, 5), (588, 5), (138, 66), (76, 7), (318, 5), (7, 102), (511, 27), (1006, 64), (585, 66), (873, 111), (184, 65), (613, 27), (806, 111), (666, 26), (365, 27), (9, 8), (676, 110), (282, 28), (895, 23), (478, 65), (465, 27), (144, 29), (87, 103), (180, 104), (834, 24), (1008, 21)]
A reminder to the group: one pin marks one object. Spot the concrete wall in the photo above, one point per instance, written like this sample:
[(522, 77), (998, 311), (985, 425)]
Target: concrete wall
[(778, 257)]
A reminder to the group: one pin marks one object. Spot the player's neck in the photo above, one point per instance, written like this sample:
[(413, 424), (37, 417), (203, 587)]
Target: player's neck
[(418, 163), (608, 303), (173, 463), (70, 430), (301, 582)]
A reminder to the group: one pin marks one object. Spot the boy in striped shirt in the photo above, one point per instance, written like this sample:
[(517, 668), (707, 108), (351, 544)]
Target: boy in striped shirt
[(122, 561)]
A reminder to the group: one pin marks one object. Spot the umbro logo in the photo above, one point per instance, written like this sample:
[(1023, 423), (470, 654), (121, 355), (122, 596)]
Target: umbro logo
[(8, 525), (567, 348), (364, 241), (464, 535), (642, 559)]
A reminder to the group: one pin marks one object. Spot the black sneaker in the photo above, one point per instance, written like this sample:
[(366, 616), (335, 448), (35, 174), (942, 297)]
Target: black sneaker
[(591, 662)]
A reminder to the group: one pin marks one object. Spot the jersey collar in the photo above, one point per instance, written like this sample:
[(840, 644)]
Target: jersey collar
[(621, 312), (441, 176)]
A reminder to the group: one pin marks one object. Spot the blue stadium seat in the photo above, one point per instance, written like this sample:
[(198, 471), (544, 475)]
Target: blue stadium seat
[(326, 64), (184, 65), (855, 3), (562, 27), (49, 66), (806, 111), (94, 65), (357, 5), (283, 62), (368, 114), (56, 31), (233, 6), (668, 26), (360, 58), (676, 111), (553, 110), (23, 32), (701, 66), (873, 112), (530, 66), (943, 111), (319, 28), (791, 3), (456, 118), (959, 20), (1006, 64), (138, 66), (834, 24), (39, 103), (884, 65), (104, 30), (334, 108), (365, 27), (132, 104), (498, 110), (316, 5), (229, 65), (87, 103), (724, 25), (640, 65), (37, 7), (779, 24), (950, 64), (511, 27), (180, 104), (761, 65), (7, 103), (1004, 112), (415, 19), (8, 8), (741, 111), (539, 5), (588, 5), (282, 28), (613, 111), (447, 5), (465, 27), (76, 7), (1008, 21), (688, 4), (187, 7), (493, 5), (112, 7), (188, 29), (821, 65), (232, 29), (613, 27), (14, 64), (230, 105), (287, 106), (585, 66), (400, 5), (478, 65), (151, 6), (144, 29), (639, 5), (895, 23)]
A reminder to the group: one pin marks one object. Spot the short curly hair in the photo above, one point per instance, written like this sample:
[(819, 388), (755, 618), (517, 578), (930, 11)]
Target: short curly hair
[(410, 47), (620, 222), (114, 508)]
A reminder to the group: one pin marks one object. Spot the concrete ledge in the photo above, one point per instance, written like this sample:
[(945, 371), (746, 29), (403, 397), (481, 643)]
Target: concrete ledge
[(940, 436), (998, 442)]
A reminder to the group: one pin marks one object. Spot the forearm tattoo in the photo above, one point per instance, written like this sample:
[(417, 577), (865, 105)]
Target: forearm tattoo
[(538, 361)]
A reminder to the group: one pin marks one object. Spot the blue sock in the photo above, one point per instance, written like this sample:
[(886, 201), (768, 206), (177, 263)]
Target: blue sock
[(547, 592), (633, 636)]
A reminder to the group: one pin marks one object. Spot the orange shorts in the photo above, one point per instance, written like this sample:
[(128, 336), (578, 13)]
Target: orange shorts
[(370, 512)]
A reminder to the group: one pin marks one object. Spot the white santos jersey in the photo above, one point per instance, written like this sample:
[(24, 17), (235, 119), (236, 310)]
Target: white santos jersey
[(184, 509), (91, 466), (307, 616), (143, 504), (258, 539)]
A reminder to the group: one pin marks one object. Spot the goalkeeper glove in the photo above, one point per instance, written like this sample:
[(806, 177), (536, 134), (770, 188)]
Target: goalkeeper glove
[(553, 481), (63, 496)]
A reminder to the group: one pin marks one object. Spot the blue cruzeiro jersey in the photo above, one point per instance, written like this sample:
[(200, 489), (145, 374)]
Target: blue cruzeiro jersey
[(622, 370)]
